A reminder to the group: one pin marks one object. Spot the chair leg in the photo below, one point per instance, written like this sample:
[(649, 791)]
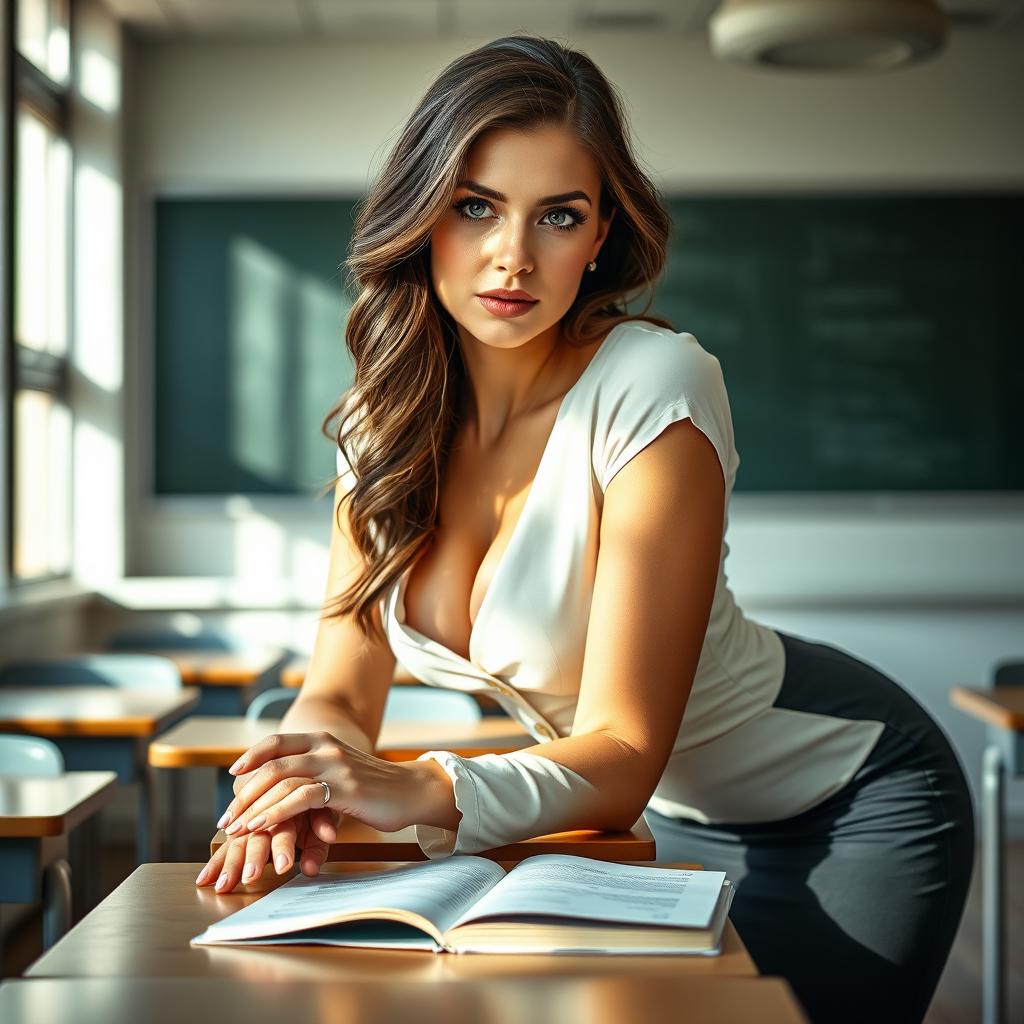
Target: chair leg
[(993, 889), (176, 815), (56, 901)]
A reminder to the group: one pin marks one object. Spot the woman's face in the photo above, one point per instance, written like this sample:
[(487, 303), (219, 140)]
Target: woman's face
[(507, 228)]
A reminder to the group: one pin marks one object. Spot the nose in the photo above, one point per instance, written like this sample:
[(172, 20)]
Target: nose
[(511, 253)]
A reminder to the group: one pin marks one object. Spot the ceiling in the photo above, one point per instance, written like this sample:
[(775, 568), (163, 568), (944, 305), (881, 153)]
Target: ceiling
[(431, 19)]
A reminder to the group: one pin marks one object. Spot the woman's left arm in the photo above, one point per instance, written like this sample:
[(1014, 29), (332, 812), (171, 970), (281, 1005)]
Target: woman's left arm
[(657, 568)]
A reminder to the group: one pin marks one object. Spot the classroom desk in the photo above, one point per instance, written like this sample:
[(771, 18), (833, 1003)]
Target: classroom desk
[(98, 728), (357, 841), (227, 680), (202, 741), (1001, 708), (36, 817), (144, 926), (613, 999)]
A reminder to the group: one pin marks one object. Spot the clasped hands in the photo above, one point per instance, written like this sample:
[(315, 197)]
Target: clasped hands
[(279, 804)]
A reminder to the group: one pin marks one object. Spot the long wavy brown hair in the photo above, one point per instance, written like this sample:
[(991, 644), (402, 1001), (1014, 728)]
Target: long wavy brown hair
[(395, 424)]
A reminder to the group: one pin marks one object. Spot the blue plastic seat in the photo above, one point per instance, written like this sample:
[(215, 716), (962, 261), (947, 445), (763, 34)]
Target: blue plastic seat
[(119, 671), (168, 639), (30, 757), (404, 704)]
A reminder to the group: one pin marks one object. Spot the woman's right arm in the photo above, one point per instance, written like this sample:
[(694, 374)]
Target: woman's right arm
[(344, 693)]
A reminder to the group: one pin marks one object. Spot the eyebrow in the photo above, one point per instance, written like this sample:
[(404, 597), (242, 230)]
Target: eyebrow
[(475, 186)]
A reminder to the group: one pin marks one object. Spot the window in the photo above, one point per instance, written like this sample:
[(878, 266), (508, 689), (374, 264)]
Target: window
[(40, 508)]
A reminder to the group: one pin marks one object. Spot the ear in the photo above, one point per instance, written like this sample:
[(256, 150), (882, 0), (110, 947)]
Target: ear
[(602, 232)]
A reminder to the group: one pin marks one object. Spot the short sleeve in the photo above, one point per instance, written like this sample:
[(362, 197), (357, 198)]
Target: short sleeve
[(654, 378)]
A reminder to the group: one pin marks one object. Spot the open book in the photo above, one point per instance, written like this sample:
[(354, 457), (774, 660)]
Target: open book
[(549, 903)]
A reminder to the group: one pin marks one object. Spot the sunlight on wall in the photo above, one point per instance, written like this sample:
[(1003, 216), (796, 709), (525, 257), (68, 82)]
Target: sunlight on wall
[(99, 81), (258, 332), (98, 336), (99, 521)]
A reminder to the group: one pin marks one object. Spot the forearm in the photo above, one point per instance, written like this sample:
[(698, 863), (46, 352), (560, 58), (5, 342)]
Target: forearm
[(313, 714), (592, 781)]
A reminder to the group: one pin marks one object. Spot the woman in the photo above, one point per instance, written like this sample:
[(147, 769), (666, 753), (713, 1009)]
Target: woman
[(532, 502)]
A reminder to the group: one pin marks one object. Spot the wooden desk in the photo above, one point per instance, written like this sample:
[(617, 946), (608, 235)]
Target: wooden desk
[(1001, 708), (202, 741), (100, 728), (227, 680), (263, 999), (359, 842), (36, 817), (144, 926)]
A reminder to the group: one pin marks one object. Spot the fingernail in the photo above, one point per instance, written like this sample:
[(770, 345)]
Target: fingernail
[(233, 827), (238, 764), (258, 822), (250, 870), (201, 876), (224, 819), (222, 881), (281, 862)]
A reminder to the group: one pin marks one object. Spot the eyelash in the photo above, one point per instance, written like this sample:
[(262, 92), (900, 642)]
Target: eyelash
[(580, 216)]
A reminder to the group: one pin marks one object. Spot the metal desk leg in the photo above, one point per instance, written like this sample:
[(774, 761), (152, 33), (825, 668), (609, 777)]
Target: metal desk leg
[(993, 889), (177, 816), (56, 901)]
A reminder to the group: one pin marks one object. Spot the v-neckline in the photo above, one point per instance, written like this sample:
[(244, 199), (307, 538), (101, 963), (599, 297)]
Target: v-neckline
[(422, 640)]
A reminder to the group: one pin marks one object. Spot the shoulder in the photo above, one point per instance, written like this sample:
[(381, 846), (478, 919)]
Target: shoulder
[(652, 377), (656, 362)]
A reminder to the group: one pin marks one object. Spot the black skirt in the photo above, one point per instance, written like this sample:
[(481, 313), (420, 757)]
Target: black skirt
[(855, 901)]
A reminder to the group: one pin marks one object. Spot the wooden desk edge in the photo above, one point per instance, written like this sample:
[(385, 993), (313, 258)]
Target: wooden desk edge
[(25, 827)]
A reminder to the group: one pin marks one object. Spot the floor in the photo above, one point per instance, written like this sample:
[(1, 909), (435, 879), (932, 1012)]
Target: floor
[(957, 999)]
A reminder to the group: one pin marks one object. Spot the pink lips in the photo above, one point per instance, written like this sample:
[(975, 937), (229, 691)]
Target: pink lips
[(505, 307)]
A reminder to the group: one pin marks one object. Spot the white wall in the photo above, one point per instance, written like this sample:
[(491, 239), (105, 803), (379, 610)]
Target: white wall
[(929, 588)]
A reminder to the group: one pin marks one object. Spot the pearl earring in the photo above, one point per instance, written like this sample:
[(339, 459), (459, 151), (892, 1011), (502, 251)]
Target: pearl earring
[(592, 265)]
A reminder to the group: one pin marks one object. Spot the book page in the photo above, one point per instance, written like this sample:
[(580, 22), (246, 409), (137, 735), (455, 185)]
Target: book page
[(437, 890), (577, 887)]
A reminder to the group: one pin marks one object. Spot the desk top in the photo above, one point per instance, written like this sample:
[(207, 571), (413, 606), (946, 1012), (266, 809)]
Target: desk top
[(39, 807), (91, 710), (144, 926), (222, 668), (357, 841), (264, 998), (218, 741), (1002, 706)]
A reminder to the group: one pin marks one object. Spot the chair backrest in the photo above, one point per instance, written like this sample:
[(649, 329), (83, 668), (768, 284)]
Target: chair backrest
[(272, 703), (172, 640), (27, 756), (1009, 673), (430, 704), (119, 671), (404, 704)]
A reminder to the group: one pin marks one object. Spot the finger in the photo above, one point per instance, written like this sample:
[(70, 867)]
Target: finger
[(304, 795), (282, 843), (255, 816), (212, 870), (263, 780), (232, 869), (325, 824), (313, 857), (257, 850), (278, 744)]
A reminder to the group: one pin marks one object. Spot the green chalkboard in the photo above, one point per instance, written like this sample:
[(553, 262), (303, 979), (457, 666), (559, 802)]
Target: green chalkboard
[(868, 342), (250, 349)]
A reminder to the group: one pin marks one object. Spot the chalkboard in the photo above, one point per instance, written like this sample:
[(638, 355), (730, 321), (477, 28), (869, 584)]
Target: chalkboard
[(868, 342)]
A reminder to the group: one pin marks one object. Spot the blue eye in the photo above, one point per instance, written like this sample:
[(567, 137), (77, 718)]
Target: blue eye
[(579, 217)]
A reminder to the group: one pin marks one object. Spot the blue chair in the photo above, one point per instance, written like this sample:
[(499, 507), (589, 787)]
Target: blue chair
[(120, 671), (23, 757), (404, 704), (150, 639)]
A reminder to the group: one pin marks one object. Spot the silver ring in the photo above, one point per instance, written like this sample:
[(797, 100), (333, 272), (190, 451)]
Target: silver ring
[(327, 793)]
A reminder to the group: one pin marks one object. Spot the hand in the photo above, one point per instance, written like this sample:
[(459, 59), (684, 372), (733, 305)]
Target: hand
[(313, 832), (284, 772)]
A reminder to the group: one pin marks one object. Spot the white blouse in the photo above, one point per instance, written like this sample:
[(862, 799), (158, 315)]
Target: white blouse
[(736, 758)]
